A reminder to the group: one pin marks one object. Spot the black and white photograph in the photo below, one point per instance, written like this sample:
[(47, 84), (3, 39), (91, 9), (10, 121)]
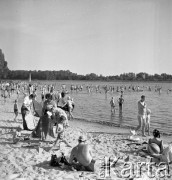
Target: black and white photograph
[(85, 89)]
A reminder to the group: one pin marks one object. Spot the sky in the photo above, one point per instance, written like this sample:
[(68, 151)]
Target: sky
[(105, 37)]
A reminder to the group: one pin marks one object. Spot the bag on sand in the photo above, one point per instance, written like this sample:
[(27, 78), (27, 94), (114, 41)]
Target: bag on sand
[(54, 160)]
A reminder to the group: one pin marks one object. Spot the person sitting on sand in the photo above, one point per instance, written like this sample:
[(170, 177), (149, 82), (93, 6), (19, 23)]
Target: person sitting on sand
[(17, 135), (158, 153), (81, 156)]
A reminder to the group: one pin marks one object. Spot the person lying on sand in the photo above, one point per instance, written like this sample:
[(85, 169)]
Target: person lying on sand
[(81, 156)]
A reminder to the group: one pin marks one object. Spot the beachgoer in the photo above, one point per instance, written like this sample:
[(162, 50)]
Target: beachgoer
[(57, 114), (165, 154), (26, 108), (148, 112), (142, 115), (49, 104), (70, 105), (120, 102), (17, 135), (112, 103), (60, 130), (16, 112), (81, 156)]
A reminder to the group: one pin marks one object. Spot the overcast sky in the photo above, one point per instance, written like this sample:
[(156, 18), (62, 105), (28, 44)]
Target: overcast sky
[(107, 37)]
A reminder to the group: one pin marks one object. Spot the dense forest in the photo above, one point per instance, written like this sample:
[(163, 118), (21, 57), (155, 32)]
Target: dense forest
[(5, 73)]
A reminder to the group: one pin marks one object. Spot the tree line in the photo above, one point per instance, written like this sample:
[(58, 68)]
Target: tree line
[(6, 73)]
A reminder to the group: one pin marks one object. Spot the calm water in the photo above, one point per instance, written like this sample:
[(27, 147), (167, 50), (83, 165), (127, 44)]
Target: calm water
[(96, 106)]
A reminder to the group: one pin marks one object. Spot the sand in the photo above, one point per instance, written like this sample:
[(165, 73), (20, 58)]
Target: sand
[(31, 161)]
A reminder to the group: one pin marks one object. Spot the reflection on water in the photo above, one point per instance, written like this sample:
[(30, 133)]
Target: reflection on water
[(120, 116)]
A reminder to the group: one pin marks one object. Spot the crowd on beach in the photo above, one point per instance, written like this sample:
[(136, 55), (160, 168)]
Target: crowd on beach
[(56, 110)]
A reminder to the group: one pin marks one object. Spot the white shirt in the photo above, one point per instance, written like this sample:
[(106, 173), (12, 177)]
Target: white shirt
[(27, 102)]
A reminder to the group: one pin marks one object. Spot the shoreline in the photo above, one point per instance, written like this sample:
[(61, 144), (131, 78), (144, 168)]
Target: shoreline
[(118, 130), (31, 162)]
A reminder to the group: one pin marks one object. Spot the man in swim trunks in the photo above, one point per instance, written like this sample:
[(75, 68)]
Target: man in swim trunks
[(81, 156), (142, 115)]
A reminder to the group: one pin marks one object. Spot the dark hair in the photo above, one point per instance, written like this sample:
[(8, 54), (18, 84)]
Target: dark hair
[(63, 94), (156, 133), (142, 96), (31, 96), (48, 96), (62, 119)]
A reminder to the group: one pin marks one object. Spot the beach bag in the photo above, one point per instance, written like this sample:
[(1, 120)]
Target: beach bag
[(63, 160), (54, 160)]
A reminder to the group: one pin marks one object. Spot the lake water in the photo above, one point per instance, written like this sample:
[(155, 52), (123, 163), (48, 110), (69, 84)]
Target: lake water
[(96, 106)]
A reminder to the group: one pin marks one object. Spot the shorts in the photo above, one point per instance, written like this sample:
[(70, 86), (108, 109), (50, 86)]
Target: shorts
[(141, 116), (90, 167), (15, 111), (42, 96)]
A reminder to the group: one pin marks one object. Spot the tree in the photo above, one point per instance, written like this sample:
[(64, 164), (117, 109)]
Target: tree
[(3, 66)]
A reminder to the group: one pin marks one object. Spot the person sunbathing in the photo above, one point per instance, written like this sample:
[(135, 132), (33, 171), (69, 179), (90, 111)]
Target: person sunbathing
[(81, 156), (156, 149)]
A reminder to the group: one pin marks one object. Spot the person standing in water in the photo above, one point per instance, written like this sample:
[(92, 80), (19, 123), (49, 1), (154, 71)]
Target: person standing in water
[(112, 103), (120, 102)]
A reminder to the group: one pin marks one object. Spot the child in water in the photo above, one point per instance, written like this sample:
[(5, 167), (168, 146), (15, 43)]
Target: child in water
[(15, 109), (112, 103)]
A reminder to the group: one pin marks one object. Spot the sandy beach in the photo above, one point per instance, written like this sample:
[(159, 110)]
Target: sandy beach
[(30, 160)]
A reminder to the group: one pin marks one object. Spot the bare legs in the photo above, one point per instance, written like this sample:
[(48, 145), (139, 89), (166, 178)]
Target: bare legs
[(142, 122)]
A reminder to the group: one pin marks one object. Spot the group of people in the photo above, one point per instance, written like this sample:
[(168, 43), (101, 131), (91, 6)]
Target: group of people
[(155, 146), (53, 116), (52, 124), (143, 116), (113, 104)]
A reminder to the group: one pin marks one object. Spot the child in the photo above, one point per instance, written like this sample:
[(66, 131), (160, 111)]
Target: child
[(60, 128), (17, 135), (112, 103), (148, 112), (15, 109), (70, 104)]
